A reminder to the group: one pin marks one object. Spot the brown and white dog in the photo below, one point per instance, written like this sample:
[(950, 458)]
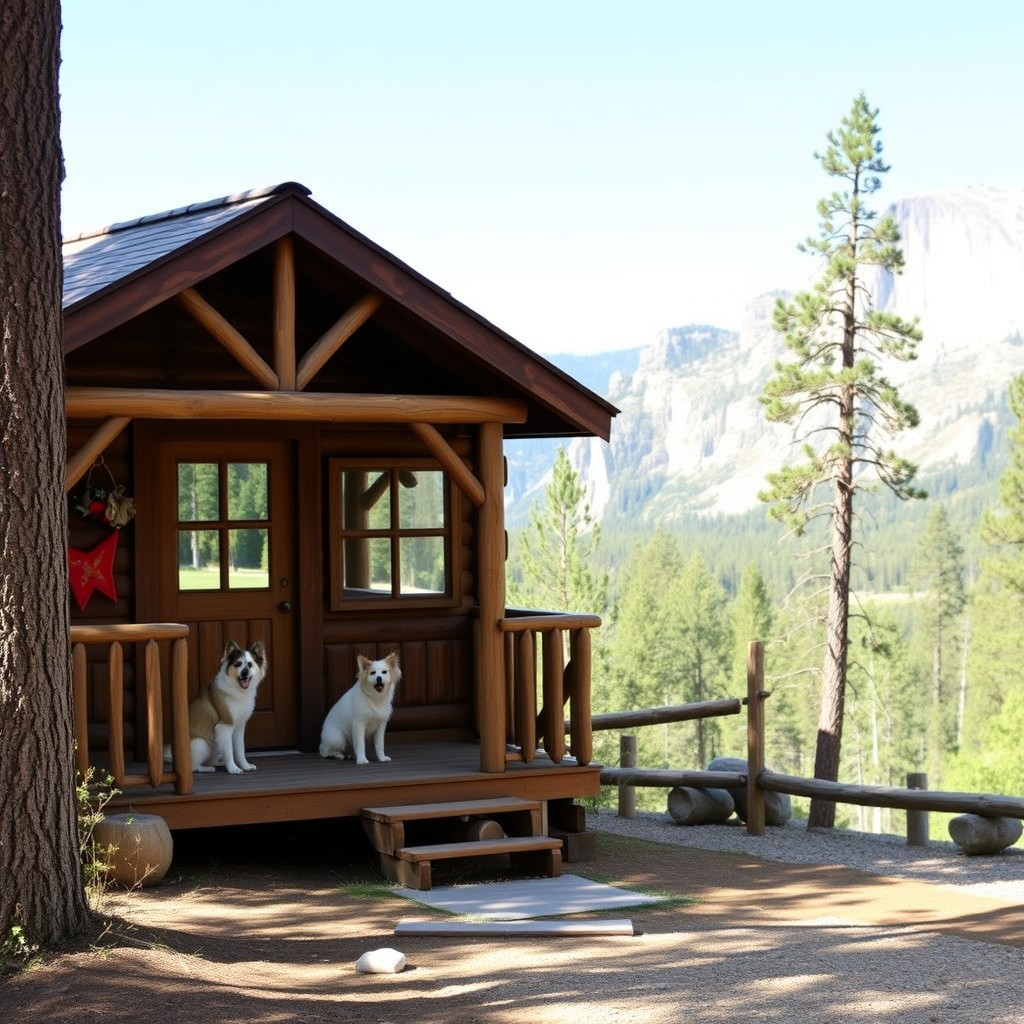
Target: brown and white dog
[(362, 711), (217, 717)]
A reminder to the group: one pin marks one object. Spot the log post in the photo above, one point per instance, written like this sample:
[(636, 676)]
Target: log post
[(490, 660), (581, 739), (284, 312), (627, 759), (755, 737), (917, 821)]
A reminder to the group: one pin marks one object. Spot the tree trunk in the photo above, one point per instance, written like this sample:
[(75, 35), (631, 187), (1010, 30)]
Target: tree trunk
[(42, 890)]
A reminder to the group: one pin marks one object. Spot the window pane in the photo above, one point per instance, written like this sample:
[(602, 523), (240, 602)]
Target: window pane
[(366, 499), (198, 560), (247, 490), (248, 568), (422, 565), (198, 492), (421, 499), (368, 567)]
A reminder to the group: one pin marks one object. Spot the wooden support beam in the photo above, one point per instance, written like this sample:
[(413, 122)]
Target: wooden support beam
[(230, 338), (88, 403), (79, 463), (450, 462), (490, 662), (334, 337), (284, 312)]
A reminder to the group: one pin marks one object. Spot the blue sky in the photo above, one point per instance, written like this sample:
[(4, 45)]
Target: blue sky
[(583, 174)]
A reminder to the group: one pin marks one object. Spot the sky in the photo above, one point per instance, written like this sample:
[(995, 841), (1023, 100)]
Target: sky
[(582, 173)]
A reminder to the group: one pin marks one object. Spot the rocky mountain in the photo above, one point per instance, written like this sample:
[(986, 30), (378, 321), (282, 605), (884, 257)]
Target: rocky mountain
[(692, 439)]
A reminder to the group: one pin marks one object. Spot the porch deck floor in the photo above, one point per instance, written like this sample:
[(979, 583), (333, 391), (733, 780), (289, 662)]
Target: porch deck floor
[(295, 786)]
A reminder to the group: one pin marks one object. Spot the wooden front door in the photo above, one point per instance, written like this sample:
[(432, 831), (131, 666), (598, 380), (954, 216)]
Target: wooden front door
[(222, 532)]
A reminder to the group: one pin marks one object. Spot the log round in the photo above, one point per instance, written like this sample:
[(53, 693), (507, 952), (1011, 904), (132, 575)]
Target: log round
[(690, 806), (141, 844), (778, 807)]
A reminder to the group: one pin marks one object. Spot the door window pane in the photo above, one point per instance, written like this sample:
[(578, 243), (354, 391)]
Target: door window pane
[(248, 568), (198, 492), (247, 490), (198, 560)]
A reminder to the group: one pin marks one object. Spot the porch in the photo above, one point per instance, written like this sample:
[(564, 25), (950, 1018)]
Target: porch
[(295, 787), (533, 763)]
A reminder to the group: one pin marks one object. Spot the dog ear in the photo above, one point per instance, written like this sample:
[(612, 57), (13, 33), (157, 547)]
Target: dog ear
[(259, 653), (230, 650), (363, 663), (392, 659)]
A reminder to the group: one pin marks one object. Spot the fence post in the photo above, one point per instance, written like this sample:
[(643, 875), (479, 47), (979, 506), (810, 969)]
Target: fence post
[(627, 759), (755, 737), (917, 821)]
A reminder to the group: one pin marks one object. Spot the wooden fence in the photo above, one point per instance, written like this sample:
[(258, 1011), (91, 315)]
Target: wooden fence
[(757, 780)]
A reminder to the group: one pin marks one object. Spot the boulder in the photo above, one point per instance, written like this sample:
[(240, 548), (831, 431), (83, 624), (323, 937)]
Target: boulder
[(690, 806), (778, 808), (976, 834)]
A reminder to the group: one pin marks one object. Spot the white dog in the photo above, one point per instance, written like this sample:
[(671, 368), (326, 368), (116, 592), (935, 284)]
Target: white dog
[(362, 711), (217, 717)]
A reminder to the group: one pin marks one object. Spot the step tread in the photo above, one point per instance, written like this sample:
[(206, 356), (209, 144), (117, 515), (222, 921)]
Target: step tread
[(489, 847), (455, 808)]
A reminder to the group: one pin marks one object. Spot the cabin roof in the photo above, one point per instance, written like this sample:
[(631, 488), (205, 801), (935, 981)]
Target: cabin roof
[(120, 271)]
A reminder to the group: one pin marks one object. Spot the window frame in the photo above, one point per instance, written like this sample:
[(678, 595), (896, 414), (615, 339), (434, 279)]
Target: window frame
[(448, 531)]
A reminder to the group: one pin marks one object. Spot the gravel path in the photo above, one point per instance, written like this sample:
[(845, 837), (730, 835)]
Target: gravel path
[(1000, 876)]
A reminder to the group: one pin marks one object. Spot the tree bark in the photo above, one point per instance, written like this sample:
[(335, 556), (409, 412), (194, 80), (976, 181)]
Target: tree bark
[(41, 888)]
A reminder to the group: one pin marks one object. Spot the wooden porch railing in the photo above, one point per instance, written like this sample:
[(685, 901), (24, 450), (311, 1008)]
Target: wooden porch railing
[(560, 681), (149, 689)]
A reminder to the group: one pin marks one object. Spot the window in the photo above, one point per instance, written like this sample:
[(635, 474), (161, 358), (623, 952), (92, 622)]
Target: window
[(223, 513), (391, 536)]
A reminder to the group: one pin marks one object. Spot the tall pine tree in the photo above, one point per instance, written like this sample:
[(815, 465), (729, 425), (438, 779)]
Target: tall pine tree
[(938, 571), (834, 393)]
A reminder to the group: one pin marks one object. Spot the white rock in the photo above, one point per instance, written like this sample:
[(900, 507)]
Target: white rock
[(381, 961)]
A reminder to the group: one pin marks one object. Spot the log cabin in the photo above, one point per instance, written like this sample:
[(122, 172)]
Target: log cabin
[(311, 433)]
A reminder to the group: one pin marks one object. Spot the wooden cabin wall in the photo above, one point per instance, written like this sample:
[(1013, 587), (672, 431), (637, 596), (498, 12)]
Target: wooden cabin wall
[(84, 535), (435, 644)]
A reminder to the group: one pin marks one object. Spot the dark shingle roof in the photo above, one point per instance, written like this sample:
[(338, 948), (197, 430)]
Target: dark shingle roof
[(96, 259)]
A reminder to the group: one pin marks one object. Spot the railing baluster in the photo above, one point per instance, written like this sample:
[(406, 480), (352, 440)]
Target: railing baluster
[(181, 747), (553, 712), (115, 681), (526, 695), (154, 715)]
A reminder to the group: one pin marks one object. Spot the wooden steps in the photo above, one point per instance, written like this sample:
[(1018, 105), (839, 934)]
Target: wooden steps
[(502, 825)]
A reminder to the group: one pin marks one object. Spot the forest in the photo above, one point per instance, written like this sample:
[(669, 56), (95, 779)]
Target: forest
[(936, 631)]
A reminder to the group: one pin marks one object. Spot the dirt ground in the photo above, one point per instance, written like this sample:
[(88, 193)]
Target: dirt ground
[(264, 925)]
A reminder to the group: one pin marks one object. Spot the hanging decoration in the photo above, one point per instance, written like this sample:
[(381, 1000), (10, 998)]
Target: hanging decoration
[(101, 500), (104, 501), (93, 570)]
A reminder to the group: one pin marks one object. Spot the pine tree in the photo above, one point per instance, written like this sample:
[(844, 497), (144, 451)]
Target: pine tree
[(42, 895), (1003, 529), (703, 637), (938, 571), (556, 552), (753, 618), (834, 392)]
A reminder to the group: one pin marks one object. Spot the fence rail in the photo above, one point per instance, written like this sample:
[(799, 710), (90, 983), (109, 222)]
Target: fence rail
[(758, 781)]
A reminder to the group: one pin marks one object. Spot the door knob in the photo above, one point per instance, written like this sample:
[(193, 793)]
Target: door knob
[(285, 606)]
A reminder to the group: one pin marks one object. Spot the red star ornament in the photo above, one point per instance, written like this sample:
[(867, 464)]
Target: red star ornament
[(93, 570)]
